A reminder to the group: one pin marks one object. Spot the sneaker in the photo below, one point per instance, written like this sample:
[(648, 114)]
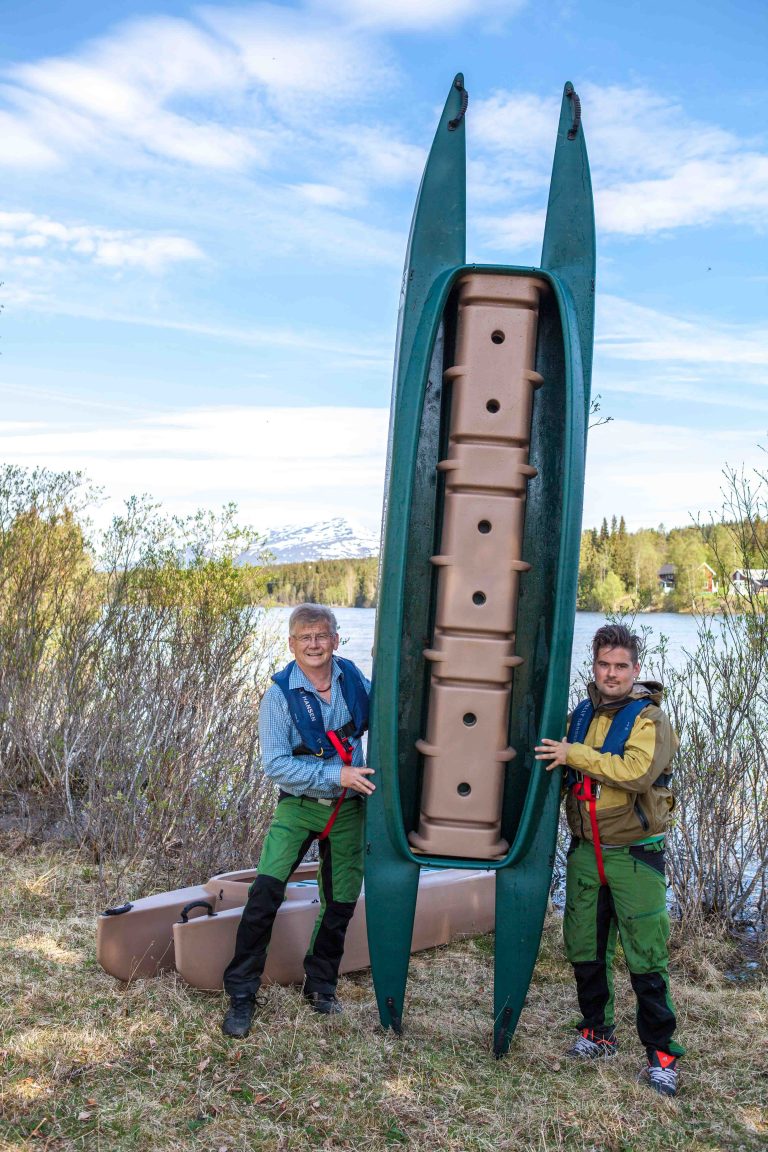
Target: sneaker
[(661, 1074), (592, 1046), (325, 1003), (237, 1021)]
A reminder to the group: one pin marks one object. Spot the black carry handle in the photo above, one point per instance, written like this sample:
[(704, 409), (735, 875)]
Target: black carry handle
[(118, 911), (196, 904)]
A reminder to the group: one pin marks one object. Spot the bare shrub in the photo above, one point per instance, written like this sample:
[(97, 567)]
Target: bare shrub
[(129, 688), (718, 703)]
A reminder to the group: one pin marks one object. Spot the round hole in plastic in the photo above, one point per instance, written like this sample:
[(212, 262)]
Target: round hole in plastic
[(469, 719), (464, 789), (484, 526), (478, 597), (493, 406), (497, 336)]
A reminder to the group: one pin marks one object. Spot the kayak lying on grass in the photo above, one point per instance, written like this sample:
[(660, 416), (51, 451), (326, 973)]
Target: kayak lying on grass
[(193, 929)]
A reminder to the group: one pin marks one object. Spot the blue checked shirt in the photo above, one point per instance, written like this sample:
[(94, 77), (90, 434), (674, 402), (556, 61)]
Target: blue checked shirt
[(304, 775)]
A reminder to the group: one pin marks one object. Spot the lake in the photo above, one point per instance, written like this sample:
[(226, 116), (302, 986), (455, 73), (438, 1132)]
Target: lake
[(356, 627)]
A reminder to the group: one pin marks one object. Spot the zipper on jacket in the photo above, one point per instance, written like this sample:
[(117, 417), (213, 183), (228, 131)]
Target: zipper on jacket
[(641, 815)]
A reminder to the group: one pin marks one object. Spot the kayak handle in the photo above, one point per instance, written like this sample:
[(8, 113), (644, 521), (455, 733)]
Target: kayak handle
[(453, 124), (573, 131), (119, 910), (196, 904)]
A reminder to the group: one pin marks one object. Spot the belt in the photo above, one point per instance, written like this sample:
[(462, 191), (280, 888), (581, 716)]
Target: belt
[(311, 799)]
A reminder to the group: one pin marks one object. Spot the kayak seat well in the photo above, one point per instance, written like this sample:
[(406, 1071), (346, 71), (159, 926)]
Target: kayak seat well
[(472, 655)]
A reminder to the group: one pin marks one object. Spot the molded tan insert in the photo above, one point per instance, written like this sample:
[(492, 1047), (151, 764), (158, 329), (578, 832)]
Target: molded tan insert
[(478, 568)]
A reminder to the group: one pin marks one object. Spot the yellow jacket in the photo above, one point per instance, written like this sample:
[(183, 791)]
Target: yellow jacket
[(630, 806)]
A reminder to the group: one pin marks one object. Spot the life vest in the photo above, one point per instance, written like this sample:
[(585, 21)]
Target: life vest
[(307, 715), (583, 787), (618, 733)]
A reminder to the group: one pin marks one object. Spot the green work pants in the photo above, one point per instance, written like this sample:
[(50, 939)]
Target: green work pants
[(296, 823), (632, 904)]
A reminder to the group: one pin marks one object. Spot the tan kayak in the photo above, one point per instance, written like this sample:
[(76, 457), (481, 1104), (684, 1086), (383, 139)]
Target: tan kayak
[(193, 929)]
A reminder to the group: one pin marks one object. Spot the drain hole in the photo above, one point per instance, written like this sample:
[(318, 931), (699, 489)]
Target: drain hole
[(497, 336), (484, 526), (478, 597), (463, 789), (469, 719), (493, 405)]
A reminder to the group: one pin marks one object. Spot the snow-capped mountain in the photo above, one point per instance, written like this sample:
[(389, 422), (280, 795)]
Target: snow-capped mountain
[(335, 539)]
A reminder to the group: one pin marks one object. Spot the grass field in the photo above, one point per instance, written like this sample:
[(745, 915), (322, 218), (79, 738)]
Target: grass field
[(88, 1063)]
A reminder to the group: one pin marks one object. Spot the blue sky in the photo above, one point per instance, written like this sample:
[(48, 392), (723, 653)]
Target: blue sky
[(204, 212)]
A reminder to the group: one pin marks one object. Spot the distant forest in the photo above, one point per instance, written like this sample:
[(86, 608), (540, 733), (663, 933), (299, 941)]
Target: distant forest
[(617, 570), (344, 583)]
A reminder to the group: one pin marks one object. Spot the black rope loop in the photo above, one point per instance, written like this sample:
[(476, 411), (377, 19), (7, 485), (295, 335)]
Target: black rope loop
[(453, 124), (573, 131)]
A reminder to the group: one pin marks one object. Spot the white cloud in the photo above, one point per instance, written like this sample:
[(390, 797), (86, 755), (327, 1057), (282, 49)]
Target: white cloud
[(655, 473), (516, 124), (278, 464), (628, 331), (107, 247), (506, 235), (654, 166), (419, 15), (324, 195), (292, 53), (697, 193), (142, 88), (20, 149)]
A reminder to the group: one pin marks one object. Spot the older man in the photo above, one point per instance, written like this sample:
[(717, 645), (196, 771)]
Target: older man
[(311, 722), (617, 755)]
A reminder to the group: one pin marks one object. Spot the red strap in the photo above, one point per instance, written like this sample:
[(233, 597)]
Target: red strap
[(584, 790), (344, 749)]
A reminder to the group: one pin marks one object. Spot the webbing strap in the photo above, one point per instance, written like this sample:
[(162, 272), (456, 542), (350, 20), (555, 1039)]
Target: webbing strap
[(583, 787), (344, 749)]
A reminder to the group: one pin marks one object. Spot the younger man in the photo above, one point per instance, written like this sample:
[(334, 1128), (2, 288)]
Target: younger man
[(617, 755), (311, 722)]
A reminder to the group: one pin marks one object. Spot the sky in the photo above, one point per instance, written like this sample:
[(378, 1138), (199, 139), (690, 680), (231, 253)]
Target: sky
[(204, 211)]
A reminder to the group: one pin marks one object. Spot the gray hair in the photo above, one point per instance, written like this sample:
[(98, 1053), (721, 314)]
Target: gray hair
[(310, 614)]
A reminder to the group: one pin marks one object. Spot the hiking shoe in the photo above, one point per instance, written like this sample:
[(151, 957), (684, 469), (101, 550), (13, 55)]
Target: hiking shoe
[(661, 1074), (592, 1046), (237, 1021), (325, 1003)]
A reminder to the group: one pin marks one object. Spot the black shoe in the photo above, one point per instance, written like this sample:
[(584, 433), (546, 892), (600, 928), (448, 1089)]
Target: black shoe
[(661, 1074), (591, 1045), (237, 1021), (325, 1003)]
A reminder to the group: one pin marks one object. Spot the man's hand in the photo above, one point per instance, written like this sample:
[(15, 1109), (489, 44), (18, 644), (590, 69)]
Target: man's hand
[(556, 751), (357, 779)]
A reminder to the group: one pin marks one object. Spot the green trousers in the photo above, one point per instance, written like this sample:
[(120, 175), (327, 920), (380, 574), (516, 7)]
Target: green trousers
[(633, 905), (296, 823)]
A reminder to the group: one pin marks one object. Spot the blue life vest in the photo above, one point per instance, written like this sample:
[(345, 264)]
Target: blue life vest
[(615, 738), (307, 714)]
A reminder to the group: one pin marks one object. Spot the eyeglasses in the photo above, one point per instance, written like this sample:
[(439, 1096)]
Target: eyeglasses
[(308, 638)]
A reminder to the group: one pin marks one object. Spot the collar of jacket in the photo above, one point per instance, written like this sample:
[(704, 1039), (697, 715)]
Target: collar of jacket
[(651, 689)]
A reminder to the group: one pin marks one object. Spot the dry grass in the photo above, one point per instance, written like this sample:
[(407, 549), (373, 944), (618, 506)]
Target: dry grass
[(91, 1064)]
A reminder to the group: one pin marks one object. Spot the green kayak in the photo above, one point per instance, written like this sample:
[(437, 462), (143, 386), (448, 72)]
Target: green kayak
[(479, 565)]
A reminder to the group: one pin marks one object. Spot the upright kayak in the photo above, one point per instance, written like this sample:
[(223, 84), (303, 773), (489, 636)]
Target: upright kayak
[(479, 564)]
